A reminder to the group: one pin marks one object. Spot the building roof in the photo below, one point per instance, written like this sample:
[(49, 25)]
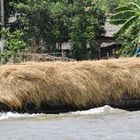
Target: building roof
[(104, 44), (110, 29), (12, 19)]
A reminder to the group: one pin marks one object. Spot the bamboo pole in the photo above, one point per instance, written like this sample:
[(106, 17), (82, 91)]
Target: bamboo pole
[(2, 24)]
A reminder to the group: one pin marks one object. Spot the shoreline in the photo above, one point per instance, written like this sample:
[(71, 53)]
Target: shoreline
[(56, 87), (128, 105)]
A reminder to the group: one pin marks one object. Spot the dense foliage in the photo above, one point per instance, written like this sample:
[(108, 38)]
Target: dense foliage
[(129, 17), (14, 45), (48, 22), (109, 5)]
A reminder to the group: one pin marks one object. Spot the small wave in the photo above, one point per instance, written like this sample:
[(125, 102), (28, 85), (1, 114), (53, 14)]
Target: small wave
[(11, 115), (105, 110), (100, 110)]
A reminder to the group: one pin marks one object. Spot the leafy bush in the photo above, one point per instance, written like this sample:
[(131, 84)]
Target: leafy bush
[(14, 44)]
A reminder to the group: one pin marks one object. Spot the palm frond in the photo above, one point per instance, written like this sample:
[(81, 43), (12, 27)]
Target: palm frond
[(118, 21), (126, 25), (122, 16), (123, 8), (136, 5), (134, 29)]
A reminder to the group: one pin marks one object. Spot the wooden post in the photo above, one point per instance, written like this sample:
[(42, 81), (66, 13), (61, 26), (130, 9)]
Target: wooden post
[(2, 24)]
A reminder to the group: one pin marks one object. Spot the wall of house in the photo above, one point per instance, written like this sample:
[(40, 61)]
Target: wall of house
[(107, 52)]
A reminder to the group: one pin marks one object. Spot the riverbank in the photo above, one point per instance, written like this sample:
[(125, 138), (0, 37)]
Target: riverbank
[(53, 87)]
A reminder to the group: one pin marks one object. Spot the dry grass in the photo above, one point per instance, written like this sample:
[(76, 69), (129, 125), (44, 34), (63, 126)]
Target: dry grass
[(79, 84)]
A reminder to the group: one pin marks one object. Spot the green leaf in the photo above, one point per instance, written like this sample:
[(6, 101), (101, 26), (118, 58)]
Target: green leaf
[(136, 5), (126, 25), (122, 17), (123, 8)]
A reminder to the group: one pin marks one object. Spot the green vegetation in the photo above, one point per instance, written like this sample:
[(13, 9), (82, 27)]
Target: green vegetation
[(50, 22), (129, 17), (109, 5), (14, 45)]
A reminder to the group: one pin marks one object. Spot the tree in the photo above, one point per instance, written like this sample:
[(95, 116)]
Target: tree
[(43, 21), (129, 17), (87, 26), (48, 22)]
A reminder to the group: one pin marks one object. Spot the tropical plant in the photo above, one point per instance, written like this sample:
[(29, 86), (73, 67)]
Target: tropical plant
[(128, 16), (109, 5), (14, 44)]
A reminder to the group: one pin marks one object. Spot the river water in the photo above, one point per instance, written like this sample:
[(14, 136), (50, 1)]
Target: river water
[(104, 123)]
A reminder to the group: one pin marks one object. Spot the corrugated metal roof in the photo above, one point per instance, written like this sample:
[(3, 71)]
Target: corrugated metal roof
[(104, 44)]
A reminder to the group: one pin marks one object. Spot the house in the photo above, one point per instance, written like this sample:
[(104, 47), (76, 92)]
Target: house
[(108, 44), (103, 47)]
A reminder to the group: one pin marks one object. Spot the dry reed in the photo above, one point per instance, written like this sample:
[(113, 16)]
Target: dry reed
[(78, 84)]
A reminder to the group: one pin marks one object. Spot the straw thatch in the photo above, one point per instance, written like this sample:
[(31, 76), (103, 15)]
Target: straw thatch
[(76, 84)]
